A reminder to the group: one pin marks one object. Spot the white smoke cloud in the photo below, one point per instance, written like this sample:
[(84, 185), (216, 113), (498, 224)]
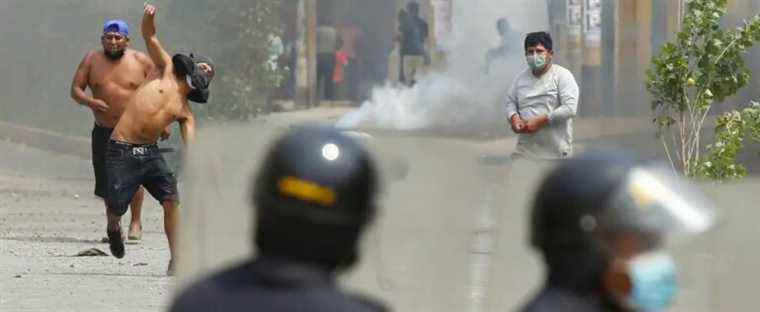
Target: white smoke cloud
[(461, 94)]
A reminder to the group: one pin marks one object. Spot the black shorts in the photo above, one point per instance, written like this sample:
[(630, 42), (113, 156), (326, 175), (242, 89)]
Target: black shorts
[(99, 141), (130, 165)]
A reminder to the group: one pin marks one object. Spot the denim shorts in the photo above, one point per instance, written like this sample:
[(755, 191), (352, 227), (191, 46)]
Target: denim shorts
[(130, 165)]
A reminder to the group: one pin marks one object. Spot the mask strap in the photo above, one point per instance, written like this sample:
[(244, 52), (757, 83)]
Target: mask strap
[(189, 81)]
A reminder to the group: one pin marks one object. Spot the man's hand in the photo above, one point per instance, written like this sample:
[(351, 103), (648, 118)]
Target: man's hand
[(166, 133), (148, 26), (536, 124), (518, 125), (158, 55), (150, 10), (98, 105)]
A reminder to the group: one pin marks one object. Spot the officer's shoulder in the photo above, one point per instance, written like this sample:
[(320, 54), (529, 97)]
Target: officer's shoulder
[(558, 300), (200, 294), (371, 304), (207, 290)]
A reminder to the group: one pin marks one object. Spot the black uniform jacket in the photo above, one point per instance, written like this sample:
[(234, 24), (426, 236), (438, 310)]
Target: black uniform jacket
[(268, 284)]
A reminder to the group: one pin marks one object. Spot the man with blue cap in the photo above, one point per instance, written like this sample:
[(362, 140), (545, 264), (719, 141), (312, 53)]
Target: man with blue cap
[(113, 75)]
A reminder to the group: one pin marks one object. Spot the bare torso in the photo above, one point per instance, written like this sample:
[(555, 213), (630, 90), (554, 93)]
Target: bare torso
[(154, 106), (115, 82)]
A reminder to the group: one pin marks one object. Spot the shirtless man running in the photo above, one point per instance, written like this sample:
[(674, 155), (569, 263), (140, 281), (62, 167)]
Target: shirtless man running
[(132, 157), (113, 75)]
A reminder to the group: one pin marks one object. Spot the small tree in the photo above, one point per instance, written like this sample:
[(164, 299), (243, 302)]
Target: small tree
[(240, 36), (704, 65), (730, 132), (255, 26)]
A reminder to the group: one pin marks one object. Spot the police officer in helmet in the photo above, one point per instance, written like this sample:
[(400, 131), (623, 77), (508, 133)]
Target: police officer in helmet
[(602, 223), (313, 196)]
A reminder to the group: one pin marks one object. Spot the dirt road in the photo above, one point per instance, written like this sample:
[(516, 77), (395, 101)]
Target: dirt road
[(451, 235), (47, 215)]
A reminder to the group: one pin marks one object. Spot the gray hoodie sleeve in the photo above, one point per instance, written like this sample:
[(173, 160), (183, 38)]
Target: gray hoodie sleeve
[(568, 97), (511, 103)]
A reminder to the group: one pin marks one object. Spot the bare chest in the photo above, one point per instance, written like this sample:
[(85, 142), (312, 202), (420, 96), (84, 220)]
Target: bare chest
[(108, 77), (158, 98)]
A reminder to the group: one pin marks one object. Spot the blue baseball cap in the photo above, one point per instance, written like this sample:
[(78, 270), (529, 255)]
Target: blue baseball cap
[(116, 25)]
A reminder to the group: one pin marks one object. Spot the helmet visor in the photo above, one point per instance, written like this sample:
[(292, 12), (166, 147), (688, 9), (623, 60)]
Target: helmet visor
[(652, 201)]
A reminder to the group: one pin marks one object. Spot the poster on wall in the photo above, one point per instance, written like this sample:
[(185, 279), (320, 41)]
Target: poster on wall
[(574, 17), (592, 22), (442, 20), (301, 62)]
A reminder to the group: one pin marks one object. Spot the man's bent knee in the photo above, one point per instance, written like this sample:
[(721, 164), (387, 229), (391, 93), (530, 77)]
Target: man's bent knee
[(170, 203), (138, 197), (116, 208)]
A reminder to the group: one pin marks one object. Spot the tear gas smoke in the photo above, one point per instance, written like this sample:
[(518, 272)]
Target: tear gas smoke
[(462, 93)]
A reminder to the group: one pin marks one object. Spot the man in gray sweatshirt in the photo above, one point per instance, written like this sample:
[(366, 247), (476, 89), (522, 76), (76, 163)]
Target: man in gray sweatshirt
[(542, 103)]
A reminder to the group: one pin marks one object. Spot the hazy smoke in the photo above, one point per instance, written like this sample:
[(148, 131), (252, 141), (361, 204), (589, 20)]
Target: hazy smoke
[(461, 93)]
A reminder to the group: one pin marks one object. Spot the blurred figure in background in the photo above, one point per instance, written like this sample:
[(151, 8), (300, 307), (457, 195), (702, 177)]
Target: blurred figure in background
[(314, 196), (339, 78), (509, 43), (353, 43), (395, 65), (327, 44), (414, 36), (602, 223)]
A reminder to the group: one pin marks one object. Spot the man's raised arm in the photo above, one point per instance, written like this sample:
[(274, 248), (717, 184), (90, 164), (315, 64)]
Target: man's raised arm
[(157, 53)]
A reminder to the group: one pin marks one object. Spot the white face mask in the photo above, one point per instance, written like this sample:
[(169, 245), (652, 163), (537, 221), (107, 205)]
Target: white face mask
[(537, 61)]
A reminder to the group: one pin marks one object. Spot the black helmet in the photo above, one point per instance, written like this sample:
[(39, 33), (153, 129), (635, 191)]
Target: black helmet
[(313, 195), (574, 190), (585, 201), (612, 191)]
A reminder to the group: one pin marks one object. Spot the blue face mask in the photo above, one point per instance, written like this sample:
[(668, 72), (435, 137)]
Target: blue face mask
[(654, 281)]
